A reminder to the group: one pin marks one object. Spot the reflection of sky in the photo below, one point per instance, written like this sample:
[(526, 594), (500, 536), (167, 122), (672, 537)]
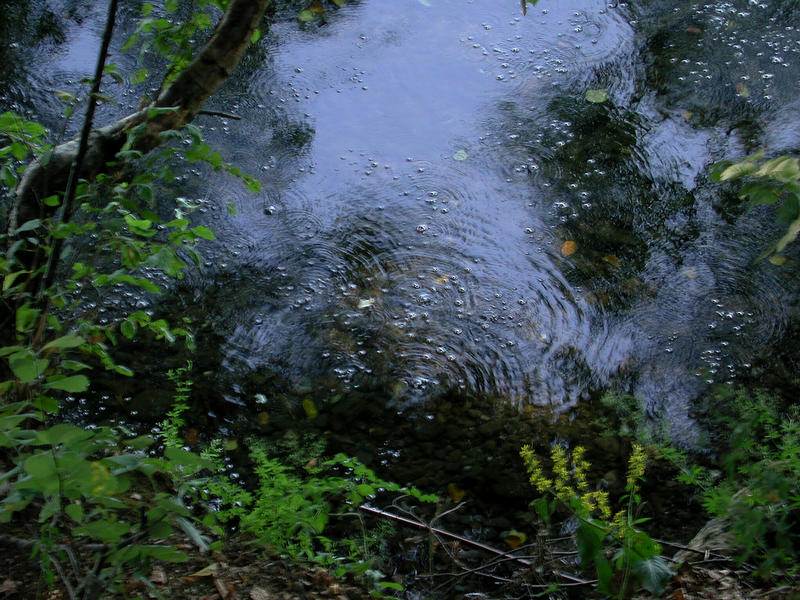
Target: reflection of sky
[(407, 81)]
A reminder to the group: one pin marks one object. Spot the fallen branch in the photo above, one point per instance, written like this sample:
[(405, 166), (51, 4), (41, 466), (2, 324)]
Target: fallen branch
[(442, 532)]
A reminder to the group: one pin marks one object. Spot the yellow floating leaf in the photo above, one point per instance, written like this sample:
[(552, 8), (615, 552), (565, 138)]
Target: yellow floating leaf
[(310, 408), (262, 418), (569, 248), (514, 538), (687, 114), (316, 7), (366, 302), (456, 493), (777, 259), (611, 259), (442, 280)]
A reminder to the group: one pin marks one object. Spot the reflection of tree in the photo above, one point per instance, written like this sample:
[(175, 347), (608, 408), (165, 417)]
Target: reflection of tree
[(720, 64), (611, 201)]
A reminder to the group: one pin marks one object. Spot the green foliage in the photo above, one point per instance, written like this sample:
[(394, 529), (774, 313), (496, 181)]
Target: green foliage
[(759, 494), (619, 551), (93, 502), (291, 506), (172, 39), (75, 484), (773, 182), (172, 425)]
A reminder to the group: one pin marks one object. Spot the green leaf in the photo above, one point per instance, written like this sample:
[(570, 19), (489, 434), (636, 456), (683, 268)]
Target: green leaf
[(760, 192), (6, 350), (597, 96), (74, 512), (9, 279), (105, 530), (27, 368), (305, 16), (783, 168), (791, 235), (72, 383), (737, 170), (29, 225), (255, 37), (204, 232), (128, 329), (46, 404), (62, 434), (66, 341), (139, 76), (590, 541), (653, 574), (604, 574), (123, 370), (197, 152), (165, 553), (41, 465)]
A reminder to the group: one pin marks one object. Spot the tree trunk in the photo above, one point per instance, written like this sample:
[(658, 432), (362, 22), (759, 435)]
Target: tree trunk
[(186, 94)]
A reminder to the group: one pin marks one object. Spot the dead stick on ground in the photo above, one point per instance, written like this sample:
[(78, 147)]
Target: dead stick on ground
[(442, 532)]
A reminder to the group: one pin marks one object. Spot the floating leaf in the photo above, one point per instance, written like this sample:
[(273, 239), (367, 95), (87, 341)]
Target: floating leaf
[(456, 493), (514, 538), (742, 91), (305, 16), (443, 279), (612, 260), (366, 302), (460, 155), (65, 96), (777, 259), (316, 7), (262, 418), (310, 408), (597, 96), (569, 248)]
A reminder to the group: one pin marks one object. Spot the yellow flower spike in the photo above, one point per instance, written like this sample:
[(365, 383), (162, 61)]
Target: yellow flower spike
[(637, 464)]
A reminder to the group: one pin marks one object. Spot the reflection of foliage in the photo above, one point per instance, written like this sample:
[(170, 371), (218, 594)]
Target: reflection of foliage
[(771, 182)]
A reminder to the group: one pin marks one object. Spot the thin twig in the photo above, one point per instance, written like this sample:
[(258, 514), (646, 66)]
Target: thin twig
[(219, 113), (574, 579), (83, 146), (63, 576)]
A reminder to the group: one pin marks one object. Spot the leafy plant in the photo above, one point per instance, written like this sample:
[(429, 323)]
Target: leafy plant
[(619, 551), (289, 510), (772, 182), (759, 494)]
